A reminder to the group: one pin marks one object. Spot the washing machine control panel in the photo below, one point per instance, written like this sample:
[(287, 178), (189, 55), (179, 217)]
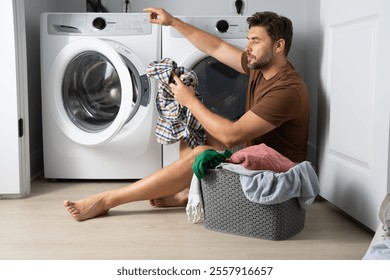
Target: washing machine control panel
[(102, 24), (229, 27), (99, 23), (222, 26), (119, 24)]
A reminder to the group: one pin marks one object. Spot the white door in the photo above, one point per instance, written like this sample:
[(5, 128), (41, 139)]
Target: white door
[(354, 106), (14, 159)]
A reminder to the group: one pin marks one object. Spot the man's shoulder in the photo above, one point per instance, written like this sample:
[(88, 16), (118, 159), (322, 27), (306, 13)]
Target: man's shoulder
[(290, 77)]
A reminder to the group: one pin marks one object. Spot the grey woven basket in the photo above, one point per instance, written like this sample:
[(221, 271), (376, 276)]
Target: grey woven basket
[(227, 210)]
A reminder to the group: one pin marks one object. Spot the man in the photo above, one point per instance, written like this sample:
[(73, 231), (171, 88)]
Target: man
[(277, 111)]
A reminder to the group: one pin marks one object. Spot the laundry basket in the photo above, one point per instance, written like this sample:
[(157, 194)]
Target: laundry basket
[(226, 209)]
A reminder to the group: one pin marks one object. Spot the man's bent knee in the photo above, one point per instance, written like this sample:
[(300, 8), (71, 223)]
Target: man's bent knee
[(200, 149)]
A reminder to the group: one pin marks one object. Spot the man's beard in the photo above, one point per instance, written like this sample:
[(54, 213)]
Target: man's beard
[(263, 62)]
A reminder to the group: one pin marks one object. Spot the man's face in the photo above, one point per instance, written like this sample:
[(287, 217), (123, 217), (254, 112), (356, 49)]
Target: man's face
[(260, 48)]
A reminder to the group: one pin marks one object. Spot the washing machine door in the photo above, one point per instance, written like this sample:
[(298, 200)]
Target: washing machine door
[(222, 88), (94, 91)]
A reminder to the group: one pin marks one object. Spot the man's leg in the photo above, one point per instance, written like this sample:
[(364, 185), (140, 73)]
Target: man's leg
[(165, 182), (179, 199)]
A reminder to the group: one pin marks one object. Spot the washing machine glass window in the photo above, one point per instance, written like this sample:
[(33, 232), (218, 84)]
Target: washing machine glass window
[(222, 88), (92, 92)]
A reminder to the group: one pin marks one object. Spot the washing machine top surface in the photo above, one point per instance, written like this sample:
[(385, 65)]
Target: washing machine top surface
[(98, 24)]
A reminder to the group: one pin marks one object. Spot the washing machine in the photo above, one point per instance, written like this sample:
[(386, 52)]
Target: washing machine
[(222, 88), (98, 110)]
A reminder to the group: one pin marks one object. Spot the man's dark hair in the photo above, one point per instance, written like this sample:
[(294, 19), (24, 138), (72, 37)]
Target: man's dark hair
[(278, 27)]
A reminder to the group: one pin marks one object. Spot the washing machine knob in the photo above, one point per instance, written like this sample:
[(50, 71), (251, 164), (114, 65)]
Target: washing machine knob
[(99, 23), (222, 26)]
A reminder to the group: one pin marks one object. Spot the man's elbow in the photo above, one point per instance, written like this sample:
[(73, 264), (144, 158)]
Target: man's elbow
[(231, 141)]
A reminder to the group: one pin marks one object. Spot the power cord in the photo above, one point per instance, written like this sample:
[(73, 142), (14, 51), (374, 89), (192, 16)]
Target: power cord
[(239, 5), (127, 3)]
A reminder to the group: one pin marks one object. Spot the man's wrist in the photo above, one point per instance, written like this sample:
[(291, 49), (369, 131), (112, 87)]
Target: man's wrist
[(175, 22)]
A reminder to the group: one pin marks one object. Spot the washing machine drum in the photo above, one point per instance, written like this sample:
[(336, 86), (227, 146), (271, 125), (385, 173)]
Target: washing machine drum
[(92, 93)]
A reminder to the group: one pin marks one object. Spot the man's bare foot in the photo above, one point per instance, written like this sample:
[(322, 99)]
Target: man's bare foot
[(85, 209), (177, 200)]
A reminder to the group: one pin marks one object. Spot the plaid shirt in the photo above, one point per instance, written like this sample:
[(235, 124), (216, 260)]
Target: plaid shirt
[(175, 122)]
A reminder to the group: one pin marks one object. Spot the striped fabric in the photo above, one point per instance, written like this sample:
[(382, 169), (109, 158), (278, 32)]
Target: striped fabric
[(175, 122)]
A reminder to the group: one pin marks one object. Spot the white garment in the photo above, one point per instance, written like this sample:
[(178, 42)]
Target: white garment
[(194, 207), (378, 251)]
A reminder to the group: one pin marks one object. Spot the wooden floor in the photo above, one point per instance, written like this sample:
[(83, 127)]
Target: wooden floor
[(39, 228)]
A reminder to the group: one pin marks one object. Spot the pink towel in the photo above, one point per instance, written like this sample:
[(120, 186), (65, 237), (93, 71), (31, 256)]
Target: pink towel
[(261, 157)]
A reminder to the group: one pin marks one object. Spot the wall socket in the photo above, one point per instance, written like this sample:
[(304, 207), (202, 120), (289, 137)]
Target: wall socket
[(233, 9)]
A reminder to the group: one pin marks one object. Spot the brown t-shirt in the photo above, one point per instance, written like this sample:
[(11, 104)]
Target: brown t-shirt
[(284, 102)]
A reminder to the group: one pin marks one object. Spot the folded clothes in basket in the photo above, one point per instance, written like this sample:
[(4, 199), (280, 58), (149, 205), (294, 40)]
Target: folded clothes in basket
[(263, 186)]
